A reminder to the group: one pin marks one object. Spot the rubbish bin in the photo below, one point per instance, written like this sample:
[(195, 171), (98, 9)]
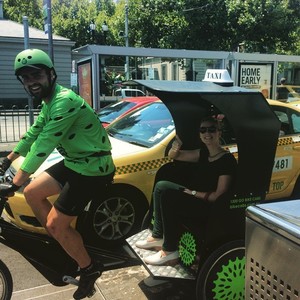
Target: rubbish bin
[(273, 251)]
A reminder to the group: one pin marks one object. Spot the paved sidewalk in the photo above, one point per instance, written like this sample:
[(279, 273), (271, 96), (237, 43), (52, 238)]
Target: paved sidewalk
[(113, 285)]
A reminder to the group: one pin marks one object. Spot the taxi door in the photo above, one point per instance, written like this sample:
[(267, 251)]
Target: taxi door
[(284, 183)]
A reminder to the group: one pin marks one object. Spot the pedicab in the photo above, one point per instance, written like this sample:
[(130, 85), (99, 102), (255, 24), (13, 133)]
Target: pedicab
[(212, 251)]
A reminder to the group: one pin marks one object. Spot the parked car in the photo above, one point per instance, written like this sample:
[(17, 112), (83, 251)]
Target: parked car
[(116, 110), (140, 142), (125, 93)]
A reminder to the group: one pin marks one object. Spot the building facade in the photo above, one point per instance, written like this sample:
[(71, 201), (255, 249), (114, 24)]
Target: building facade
[(12, 41)]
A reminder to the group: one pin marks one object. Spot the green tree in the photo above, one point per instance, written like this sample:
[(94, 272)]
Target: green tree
[(264, 26), (269, 26), (71, 19), (156, 23), (15, 10)]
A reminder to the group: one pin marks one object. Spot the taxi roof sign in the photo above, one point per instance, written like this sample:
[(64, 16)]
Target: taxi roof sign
[(219, 76)]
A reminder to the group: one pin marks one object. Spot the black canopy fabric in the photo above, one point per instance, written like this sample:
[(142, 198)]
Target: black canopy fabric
[(255, 126)]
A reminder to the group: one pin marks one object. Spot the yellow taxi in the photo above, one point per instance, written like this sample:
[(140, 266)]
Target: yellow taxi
[(140, 142), (285, 180)]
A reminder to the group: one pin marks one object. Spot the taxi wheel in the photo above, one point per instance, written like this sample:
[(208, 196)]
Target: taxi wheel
[(146, 221), (222, 275), (112, 219)]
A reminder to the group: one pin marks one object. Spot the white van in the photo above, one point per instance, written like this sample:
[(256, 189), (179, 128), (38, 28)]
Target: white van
[(125, 93)]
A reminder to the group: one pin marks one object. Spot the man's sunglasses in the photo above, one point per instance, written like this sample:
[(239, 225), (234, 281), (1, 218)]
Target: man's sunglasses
[(210, 129)]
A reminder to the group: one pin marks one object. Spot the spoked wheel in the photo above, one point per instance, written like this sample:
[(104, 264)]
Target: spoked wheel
[(223, 274), (6, 282), (115, 217)]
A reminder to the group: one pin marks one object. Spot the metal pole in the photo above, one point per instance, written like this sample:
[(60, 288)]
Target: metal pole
[(50, 38), (126, 40), (26, 46), (26, 32)]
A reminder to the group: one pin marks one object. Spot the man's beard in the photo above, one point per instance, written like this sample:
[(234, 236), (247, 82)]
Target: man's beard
[(44, 92)]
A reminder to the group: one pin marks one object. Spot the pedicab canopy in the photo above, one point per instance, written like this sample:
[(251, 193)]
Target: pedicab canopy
[(255, 126)]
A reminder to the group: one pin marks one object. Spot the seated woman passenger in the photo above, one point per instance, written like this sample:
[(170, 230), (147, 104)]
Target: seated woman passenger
[(214, 175)]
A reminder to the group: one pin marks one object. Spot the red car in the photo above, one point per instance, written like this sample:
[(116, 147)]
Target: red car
[(116, 110)]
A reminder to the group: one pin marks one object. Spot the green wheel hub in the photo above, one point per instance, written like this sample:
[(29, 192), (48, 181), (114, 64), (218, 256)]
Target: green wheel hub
[(230, 281), (187, 249)]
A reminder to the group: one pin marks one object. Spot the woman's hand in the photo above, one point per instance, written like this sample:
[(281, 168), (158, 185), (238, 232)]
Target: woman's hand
[(200, 195), (177, 143)]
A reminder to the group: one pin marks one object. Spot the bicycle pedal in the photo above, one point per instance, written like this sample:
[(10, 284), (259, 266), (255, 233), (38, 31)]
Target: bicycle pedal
[(70, 280)]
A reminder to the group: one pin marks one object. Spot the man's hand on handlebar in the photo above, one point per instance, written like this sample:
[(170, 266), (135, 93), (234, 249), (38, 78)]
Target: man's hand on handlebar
[(4, 165), (8, 190)]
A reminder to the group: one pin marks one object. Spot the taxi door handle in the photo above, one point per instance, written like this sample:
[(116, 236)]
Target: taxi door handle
[(296, 148)]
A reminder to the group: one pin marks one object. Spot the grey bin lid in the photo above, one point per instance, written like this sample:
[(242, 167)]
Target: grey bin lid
[(282, 217)]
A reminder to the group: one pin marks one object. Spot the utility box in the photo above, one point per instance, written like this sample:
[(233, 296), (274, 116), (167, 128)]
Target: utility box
[(273, 251)]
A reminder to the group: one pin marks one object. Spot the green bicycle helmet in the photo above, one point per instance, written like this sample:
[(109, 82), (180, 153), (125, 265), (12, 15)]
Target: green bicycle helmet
[(32, 58)]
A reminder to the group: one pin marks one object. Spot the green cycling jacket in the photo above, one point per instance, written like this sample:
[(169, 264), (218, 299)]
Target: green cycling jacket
[(70, 125)]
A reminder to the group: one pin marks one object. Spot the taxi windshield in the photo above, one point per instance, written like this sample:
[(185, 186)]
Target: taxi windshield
[(145, 127), (113, 111)]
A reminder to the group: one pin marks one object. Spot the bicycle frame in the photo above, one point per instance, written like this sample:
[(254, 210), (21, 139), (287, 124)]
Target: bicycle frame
[(47, 256)]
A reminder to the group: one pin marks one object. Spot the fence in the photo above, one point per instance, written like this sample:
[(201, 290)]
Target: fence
[(14, 123)]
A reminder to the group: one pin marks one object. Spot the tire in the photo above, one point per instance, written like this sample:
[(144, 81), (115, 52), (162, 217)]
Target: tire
[(222, 276), (147, 221), (111, 220), (6, 282)]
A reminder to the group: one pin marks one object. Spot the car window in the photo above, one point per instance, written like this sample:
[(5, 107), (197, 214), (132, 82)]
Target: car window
[(118, 93), (295, 116), (146, 126), (133, 93), (113, 111), (285, 127), (289, 118)]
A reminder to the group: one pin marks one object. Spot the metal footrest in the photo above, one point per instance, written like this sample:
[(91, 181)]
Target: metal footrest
[(177, 271)]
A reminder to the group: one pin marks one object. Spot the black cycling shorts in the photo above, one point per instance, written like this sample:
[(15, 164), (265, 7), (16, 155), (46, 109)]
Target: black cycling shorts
[(77, 189)]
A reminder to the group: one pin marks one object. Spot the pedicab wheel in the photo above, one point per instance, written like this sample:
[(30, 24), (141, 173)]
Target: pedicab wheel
[(223, 274), (6, 282)]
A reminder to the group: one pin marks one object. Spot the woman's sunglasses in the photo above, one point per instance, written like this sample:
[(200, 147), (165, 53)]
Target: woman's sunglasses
[(210, 129)]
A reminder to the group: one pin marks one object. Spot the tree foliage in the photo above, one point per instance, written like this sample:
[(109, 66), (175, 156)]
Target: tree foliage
[(269, 26), (71, 18), (15, 10), (263, 26)]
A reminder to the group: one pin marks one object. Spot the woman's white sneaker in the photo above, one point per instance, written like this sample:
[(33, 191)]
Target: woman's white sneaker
[(146, 244), (159, 259)]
